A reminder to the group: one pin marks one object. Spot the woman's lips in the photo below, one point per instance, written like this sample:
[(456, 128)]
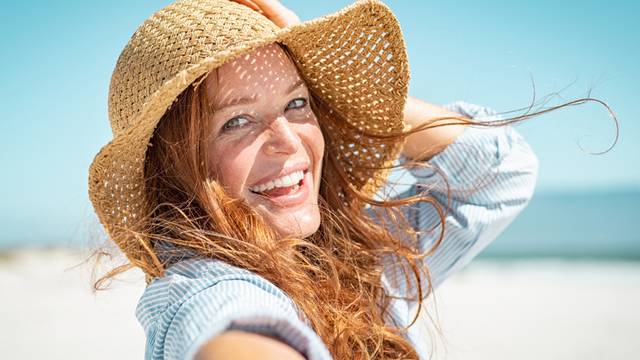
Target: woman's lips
[(299, 166), (288, 196), (280, 191)]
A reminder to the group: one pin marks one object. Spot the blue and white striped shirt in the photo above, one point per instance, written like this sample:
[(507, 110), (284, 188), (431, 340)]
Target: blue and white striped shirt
[(197, 299)]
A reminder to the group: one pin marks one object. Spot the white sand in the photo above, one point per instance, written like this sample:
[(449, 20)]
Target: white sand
[(542, 310), (519, 310)]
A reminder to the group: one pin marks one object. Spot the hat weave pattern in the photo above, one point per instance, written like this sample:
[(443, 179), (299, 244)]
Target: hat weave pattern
[(355, 60)]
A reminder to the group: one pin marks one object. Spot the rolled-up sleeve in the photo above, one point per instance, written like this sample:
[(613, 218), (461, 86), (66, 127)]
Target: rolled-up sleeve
[(197, 301), (491, 172)]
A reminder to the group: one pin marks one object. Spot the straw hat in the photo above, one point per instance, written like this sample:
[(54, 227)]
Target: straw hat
[(354, 59)]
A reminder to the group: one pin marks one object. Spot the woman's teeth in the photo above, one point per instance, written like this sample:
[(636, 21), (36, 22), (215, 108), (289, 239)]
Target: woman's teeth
[(281, 182)]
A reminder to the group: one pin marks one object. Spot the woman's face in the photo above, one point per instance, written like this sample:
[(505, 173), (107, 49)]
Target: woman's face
[(266, 146)]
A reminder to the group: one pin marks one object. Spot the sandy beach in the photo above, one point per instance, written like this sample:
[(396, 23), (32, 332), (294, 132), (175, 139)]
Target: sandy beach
[(538, 309)]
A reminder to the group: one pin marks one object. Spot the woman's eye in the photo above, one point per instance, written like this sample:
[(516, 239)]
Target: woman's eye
[(234, 123), (297, 103)]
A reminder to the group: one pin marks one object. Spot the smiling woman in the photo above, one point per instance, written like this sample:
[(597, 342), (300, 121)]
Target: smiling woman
[(247, 178), (267, 149)]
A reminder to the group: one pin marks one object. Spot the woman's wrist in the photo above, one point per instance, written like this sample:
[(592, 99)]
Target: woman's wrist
[(425, 144)]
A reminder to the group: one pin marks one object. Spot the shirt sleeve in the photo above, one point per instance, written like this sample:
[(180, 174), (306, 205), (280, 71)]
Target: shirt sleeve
[(200, 299), (492, 173)]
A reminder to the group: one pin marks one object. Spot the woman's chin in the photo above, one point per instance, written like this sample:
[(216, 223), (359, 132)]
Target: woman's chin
[(301, 223), (299, 218)]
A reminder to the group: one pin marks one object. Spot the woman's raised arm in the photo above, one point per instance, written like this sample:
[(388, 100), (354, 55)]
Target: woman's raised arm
[(425, 144), (491, 172)]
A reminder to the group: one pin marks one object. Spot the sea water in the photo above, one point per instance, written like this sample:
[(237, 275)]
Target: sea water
[(573, 225)]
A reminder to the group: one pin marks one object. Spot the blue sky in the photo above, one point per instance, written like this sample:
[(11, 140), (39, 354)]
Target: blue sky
[(57, 59)]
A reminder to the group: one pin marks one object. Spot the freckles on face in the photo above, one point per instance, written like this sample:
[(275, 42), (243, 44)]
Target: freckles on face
[(266, 145), (232, 161)]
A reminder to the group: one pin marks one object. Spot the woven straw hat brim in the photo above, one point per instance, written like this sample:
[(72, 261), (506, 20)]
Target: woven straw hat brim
[(354, 59)]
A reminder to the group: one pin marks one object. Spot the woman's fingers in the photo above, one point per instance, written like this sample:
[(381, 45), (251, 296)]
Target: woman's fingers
[(273, 10), (250, 4), (278, 13)]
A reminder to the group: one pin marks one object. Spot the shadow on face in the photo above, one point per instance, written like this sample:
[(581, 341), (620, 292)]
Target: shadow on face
[(265, 144)]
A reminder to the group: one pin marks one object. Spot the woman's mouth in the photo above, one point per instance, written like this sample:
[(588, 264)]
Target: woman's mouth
[(288, 190)]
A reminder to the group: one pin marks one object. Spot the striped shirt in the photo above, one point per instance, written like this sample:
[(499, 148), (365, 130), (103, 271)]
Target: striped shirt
[(492, 174)]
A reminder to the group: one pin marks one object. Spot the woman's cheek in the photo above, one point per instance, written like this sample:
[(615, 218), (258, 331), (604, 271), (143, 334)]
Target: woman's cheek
[(317, 140), (231, 168), (226, 169)]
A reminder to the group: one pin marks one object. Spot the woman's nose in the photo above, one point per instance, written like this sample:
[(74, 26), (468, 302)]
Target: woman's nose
[(283, 138)]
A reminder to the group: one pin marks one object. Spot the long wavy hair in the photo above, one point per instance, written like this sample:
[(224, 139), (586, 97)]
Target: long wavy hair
[(334, 275)]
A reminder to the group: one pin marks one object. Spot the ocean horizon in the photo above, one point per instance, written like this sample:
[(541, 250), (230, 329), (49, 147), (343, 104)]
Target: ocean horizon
[(597, 225)]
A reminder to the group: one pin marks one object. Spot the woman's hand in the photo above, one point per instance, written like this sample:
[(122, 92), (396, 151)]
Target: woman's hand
[(273, 10)]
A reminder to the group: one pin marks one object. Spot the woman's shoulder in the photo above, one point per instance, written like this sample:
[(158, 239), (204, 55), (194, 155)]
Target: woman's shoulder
[(198, 298), (204, 269), (186, 278), (204, 272)]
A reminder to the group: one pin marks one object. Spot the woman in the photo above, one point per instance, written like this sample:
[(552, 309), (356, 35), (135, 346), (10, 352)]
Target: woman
[(247, 178)]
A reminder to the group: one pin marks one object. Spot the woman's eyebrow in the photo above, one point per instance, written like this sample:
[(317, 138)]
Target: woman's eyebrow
[(295, 85), (251, 99), (237, 101)]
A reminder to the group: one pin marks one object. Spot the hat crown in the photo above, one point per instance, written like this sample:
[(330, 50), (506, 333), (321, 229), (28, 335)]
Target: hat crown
[(171, 41)]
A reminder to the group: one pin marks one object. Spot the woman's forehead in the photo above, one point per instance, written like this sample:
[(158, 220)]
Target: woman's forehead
[(267, 69)]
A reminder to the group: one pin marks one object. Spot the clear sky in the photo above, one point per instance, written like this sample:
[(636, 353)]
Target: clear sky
[(57, 58)]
